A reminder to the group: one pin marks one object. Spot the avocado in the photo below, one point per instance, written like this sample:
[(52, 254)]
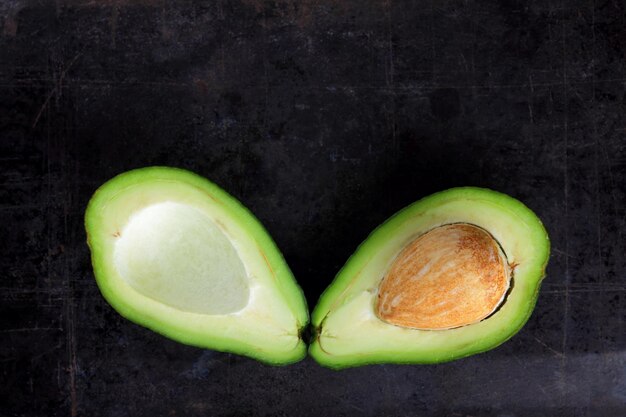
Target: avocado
[(454, 274), (175, 253)]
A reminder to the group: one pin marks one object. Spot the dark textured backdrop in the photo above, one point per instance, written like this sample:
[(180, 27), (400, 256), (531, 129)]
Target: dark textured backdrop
[(324, 118)]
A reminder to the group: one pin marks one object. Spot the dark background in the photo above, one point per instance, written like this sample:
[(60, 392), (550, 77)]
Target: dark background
[(324, 118)]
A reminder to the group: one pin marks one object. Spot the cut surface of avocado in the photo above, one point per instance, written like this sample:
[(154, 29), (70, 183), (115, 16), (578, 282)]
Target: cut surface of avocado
[(175, 253), (454, 274)]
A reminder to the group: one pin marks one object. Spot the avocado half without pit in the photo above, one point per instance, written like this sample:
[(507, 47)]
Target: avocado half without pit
[(454, 274), (177, 254)]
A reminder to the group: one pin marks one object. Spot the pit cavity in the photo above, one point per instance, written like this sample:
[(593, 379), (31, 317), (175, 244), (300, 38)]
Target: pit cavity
[(178, 256), (451, 276)]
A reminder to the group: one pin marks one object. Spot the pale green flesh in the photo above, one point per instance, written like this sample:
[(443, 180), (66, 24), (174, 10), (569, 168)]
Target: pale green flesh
[(178, 256), (175, 253), (349, 333)]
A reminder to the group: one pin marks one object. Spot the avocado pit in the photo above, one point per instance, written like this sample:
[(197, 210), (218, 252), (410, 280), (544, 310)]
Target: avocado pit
[(451, 276)]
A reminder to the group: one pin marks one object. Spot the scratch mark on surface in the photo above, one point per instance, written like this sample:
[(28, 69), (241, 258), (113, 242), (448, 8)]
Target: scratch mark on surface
[(417, 91), (71, 340), (58, 374), (530, 101), (599, 270), (228, 366), (563, 378), (390, 391), (583, 291), (29, 329), (389, 66), (560, 252), (389, 76), (613, 187), (432, 40), (526, 371), (348, 403), (117, 3), (544, 344), (114, 16), (55, 90), (266, 82)]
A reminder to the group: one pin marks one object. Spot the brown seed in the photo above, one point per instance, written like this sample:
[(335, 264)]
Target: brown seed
[(449, 277)]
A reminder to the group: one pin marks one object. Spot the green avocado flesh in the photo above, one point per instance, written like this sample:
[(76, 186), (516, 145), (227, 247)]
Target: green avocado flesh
[(175, 253), (347, 330)]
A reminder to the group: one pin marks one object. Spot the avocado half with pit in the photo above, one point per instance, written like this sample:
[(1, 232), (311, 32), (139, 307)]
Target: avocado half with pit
[(454, 274), (175, 253)]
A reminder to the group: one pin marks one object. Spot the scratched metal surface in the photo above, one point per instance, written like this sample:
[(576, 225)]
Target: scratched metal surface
[(324, 118)]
